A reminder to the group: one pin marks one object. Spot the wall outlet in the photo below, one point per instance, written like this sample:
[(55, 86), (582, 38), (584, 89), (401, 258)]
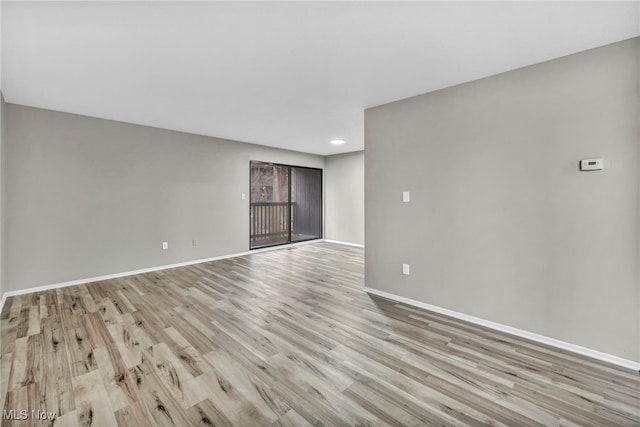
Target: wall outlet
[(405, 269), (244, 196), (194, 242), (165, 246), (406, 196)]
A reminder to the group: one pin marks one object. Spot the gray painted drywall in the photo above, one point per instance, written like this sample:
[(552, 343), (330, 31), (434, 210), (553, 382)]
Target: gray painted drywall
[(2, 143), (501, 224), (87, 197), (345, 197)]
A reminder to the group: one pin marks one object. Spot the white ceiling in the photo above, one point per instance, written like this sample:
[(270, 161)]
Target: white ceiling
[(283, 74)]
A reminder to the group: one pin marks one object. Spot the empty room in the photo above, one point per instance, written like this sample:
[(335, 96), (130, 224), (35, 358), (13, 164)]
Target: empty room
[(307, 213)]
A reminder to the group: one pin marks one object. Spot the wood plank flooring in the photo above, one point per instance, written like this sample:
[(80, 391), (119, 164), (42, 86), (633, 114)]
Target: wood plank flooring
[(284, 338)]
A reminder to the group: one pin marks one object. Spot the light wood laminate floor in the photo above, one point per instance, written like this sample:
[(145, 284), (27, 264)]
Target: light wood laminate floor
[(285, 337)]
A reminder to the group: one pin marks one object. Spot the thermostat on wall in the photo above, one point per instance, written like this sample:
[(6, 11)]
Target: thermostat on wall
[(591, 164)]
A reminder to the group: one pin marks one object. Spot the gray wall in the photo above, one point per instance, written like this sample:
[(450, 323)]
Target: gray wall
[(88, 197), (501, 224), (345, 197), (2, 144)]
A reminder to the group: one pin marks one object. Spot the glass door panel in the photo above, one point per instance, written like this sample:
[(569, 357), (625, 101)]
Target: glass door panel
[(306, 204), (269, 205)]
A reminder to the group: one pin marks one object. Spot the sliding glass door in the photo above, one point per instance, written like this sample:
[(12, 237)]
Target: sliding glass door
[(285, 204)]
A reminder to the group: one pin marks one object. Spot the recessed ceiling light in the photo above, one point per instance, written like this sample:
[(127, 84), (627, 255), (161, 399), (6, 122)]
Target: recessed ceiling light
[(337, 141)]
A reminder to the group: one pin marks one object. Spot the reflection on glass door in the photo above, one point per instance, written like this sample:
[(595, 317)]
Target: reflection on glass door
[(285, 204)]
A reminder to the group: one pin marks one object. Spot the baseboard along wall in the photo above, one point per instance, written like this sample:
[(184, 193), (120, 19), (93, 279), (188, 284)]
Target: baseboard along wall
[(605, 357), (493, 325), (144, 270), (357, 245)]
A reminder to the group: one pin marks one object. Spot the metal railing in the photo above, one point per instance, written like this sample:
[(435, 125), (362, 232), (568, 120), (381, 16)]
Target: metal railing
[(270, 220)]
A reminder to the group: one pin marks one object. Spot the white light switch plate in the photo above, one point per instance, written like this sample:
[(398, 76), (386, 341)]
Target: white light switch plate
[(165, 246), (405, 269), (406, 196)]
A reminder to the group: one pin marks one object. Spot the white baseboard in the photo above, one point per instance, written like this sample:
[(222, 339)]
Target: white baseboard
[(357, 245), (630, 364), (4, 298), (144, 270), (493, 325)]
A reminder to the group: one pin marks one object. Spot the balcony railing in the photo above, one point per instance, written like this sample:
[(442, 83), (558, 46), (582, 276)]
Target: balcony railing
[(269, 221)]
